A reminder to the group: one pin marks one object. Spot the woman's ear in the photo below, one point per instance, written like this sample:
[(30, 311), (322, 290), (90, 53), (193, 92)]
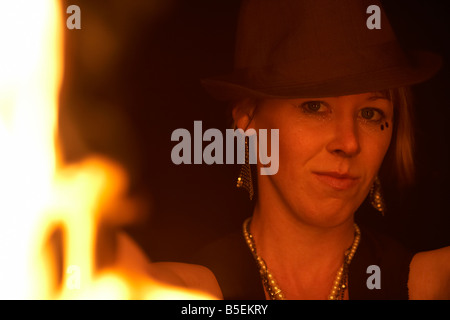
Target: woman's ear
[(243, 113)]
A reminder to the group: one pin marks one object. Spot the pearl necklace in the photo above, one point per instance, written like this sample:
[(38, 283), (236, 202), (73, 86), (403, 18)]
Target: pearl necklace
[(340, 284)]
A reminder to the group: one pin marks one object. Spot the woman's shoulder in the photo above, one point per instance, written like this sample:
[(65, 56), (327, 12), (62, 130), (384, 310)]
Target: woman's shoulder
[(429, 277), (194, 280), (426, 274), (191, 276)]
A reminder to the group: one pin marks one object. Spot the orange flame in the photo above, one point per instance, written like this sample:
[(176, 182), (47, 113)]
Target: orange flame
[(38, 193)]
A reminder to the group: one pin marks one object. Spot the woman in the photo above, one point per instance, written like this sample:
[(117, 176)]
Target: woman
[(332, 78)]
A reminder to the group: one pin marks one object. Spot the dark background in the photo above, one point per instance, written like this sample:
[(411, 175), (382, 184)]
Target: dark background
[(132, 77)]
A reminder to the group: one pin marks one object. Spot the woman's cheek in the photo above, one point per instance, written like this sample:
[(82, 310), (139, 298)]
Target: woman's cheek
[(374, 150)]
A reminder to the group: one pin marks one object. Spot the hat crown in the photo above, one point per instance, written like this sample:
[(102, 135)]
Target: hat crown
[(289, 30)]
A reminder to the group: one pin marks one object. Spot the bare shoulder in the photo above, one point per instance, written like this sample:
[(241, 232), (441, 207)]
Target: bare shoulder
[(132, 258), (192, 276), (429, 277)]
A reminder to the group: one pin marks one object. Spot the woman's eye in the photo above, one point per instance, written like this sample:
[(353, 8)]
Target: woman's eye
[(313, 106), (372, 114)]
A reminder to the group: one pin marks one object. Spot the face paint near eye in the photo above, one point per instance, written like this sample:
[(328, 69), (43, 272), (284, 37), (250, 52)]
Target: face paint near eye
[(386, 124)]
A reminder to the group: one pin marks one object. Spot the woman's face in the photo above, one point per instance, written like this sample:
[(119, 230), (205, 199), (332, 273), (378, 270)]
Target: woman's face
[(330, 151)]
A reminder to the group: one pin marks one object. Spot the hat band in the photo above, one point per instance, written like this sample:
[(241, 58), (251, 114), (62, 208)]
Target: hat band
[(326, 67)]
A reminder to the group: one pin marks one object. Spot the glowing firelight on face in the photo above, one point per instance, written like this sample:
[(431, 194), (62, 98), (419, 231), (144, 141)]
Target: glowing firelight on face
[(38, 193)]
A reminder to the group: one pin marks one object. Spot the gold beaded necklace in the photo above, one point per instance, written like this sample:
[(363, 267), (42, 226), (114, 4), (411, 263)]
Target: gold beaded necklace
[(340, 284)]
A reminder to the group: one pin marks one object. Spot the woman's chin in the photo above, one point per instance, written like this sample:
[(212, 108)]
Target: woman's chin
[(326, 217)]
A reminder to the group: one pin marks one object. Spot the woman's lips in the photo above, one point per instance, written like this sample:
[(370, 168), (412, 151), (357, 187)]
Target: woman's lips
[(337, 181)]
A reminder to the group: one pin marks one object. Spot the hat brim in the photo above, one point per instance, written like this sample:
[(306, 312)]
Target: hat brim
[(422, 66)]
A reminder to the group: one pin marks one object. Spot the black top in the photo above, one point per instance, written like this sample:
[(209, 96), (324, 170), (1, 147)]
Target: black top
[(237, 272)]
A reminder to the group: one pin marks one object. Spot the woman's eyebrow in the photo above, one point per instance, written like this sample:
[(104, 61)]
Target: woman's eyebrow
[(377, 97)]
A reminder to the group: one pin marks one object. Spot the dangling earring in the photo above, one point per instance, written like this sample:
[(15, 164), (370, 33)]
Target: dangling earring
[(376, 197), (244, 179)]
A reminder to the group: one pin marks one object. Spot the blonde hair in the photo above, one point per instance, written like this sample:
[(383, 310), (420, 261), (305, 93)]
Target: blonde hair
[(399, 160)]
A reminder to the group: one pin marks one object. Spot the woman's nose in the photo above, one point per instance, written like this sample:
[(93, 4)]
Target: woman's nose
[(345, 141)]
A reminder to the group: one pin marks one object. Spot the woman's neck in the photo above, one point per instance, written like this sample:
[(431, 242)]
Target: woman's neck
[(303, 258)]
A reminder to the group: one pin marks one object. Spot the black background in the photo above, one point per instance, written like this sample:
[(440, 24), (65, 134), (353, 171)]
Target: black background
[(132, 76)]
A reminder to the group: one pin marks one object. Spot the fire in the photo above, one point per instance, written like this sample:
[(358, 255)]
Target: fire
[(51, 212)]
